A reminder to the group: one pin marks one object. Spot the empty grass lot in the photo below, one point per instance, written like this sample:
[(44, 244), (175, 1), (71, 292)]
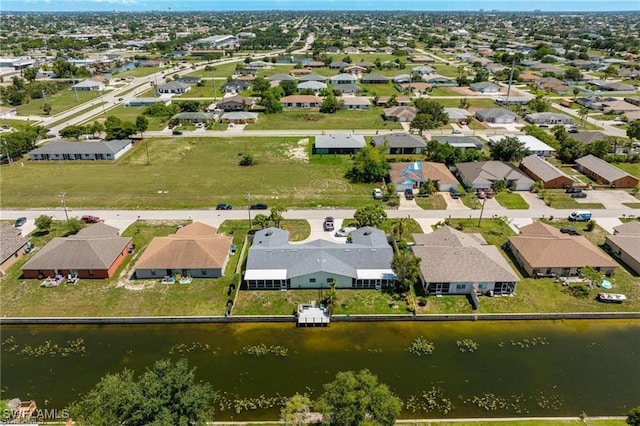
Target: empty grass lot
[(194, 172), (223, 70), (315, 120), (631, 168), (473, 103), (60, 102), (139, 72), (511, 200), (130, 114)]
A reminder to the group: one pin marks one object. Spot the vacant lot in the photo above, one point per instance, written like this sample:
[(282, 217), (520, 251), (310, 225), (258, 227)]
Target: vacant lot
[(139, 72), (315, 120), (59, 102), (130, 114), (187, 173)]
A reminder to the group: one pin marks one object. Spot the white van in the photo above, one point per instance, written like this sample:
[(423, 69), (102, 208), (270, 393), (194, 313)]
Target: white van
[(580, 216)]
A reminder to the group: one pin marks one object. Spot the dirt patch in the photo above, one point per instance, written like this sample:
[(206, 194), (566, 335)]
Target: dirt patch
[(299, 152)]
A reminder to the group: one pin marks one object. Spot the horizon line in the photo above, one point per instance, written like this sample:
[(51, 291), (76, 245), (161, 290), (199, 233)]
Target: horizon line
[(324, 10)]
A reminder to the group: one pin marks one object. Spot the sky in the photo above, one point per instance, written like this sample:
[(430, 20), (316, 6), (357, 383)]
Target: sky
[(237, 5)]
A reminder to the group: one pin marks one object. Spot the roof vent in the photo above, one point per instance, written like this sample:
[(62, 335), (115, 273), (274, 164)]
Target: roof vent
[(268, 234), (366, 233)]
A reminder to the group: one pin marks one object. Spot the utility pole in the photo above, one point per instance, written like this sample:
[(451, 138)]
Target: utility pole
[(75, 89), (6, 145), (482, 210), (248, 198), (213, 81), (513, 65), (64, 205)]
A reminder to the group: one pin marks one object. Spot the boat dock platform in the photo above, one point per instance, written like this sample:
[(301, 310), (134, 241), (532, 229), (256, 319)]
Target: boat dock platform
[(310, 315)]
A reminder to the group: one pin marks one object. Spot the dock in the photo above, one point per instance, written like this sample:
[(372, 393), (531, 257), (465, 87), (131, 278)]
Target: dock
[(310, 315)]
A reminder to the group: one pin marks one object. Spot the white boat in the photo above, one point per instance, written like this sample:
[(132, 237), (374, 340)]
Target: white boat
[(612, 297)]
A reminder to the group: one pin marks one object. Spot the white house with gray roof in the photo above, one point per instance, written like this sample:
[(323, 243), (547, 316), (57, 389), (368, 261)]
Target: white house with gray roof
[(275, 263), (338, 143), (343, 79), (174, 88), (315, 86), (63, 151), (89, 85), (355, 102), (548, 118), (453, 262), (400, 143), (462, 142), (496, 115), (484, 87)]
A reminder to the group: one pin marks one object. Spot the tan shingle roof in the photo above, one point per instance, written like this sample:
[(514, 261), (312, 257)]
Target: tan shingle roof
[(542, 168), (78, 253), (601, 168), (629, 228), (11, 240)]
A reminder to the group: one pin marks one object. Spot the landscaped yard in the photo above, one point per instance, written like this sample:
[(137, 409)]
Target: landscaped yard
[(205, 91), (511, 200), (631, 168), (189, 173), (60, 102), (473, 103), (315, 120), (433, 202), (378, 89)]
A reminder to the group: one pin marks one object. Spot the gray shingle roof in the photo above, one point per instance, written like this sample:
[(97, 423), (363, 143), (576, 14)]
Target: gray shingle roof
[(369, 249), (542, 168), (339, 140), (280, 77), (399, 140), (11, 241), (601, 167), (174, 85), (495, 113), (347, 88), (192, 116), (459, 140), (312, 77), (374, 77), (101, 147), (487, 172)]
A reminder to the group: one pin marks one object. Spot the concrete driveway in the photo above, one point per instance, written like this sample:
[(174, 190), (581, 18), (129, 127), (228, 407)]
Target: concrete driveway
[(610, 199), (407, 204), (532, 199), (608, 223), (318, 232), (490, 204), (427, 223), (453, 204)]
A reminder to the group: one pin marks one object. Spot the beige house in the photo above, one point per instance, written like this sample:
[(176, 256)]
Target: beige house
[(12, 246), (542, 250), (624, 244)]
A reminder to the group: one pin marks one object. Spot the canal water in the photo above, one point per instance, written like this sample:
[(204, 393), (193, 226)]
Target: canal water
[(541, 368)]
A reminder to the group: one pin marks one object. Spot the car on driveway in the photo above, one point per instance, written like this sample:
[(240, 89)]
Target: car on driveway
[(258, 206), (224, 206), (569, 230), (328, 224), (90, 219), (177, 132), (454, 193), (579, 195), (344, 232), (408, 194), (572, 190), (20, 221), (377, 194)]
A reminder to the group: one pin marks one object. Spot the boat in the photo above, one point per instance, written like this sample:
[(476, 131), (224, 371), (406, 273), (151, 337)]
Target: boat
[(52, 281), (612, 297)]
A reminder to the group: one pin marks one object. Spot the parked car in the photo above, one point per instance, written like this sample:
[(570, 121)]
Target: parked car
[(454, 193), (377, 194), (408, 194), (171, 126), (572, 189), (569, 230), (579, 195), (344, 232), (481, 195), (224, 206), (580, 216), (177, 132), (132, 247), (90, 219), (120, 99), (20, 221), (258, 206), (328, 223)]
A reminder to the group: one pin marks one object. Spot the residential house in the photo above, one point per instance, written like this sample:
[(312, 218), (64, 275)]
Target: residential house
[(624, 244), (483, 174), (89, 85), (453, 262), (315, 86), (400, 100), (193, 117), (420, 59), (366, 64), (338, 143), (346, 89), (547, 68), (234, 87), (548, 118), (588, 137), (485, 87), (249, 72), (401, 78), (315, 64), (280, 77), (12, 246), (462, 142), (355, 69), (457, 115), (64, 151), (542, 250), (313, 77), (145, 102), (7, 112), (422, 70), (605, 173), (338, 65), (615, 106), (196, 250), (612, 86), (236, 103), (94, 252), (239, 117), (343, 79), (552, 84), (301, 101), (300, 72), (173, 87), (274, 263), (532, 144), (355, 102), (438, 80), (540, 170), (374, 79), (403, 114), (414, 174), (400, 143), (190, 80), (496, 115)]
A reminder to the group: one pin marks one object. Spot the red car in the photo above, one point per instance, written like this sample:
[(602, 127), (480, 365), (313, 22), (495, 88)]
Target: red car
[(90, 219)]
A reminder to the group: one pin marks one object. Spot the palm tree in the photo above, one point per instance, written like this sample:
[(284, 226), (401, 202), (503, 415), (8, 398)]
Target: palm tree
[(399, 226), (583, 112), (576, 92), (406, 266)]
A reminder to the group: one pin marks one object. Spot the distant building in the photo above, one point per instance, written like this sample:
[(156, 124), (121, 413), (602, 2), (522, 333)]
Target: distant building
[(624, 244), (12, 246), (548, 118), (70, 151), (174, 87), (483, 174), (400, 143)]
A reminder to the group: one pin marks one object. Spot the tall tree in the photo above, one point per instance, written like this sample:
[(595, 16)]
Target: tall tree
[(46, 108), (271, 102), (296, 410), (43, 223), (633, 131), (370, 216), (406, 266), (260, 86), (73, 131), (276, 215), (330, 104), (142, 124), (166, 394), (289, 87), (369, 165), (570, 150), (633, 417), (508, 149), (357, 398)]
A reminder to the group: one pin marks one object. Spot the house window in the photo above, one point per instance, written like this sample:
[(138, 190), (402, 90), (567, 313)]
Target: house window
[(461, 286), (90, 272), (203, 272), (153, 272), (482, 286), (312, 280), (330, 280)]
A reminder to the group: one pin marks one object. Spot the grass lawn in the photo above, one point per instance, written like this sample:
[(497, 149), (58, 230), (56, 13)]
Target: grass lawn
[(223, 70), (60, 102), (631, 168), (443, 91), (632, 205), (473, 103), (433, 202), (315, 120), (558, 199), (130, 114), (106, 298), (275, 69), (511, 200), (13, 123), (139, 72), (205, 91), (184, 167), (445, 70), (470, 200), (378, 89), (83, 111)]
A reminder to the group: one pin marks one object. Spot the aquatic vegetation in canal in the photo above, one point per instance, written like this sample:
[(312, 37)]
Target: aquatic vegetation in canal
[(228, 402), (421, 346), (467, 345), (528, 343), (431, 400), (183, 348), (262, 350), (48, 348)]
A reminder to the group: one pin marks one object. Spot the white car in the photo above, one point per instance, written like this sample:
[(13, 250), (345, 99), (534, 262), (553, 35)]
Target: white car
[(377, 194), (344, 232)]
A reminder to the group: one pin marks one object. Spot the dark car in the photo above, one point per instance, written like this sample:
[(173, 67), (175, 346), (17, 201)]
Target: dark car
[(328, 224), (224, 206), (408, 194), (569, 230), (132, 247), (20, 221), (572, 190), (90, 219), (177, 132), (579, 195), (454, 193), (258, 206)]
